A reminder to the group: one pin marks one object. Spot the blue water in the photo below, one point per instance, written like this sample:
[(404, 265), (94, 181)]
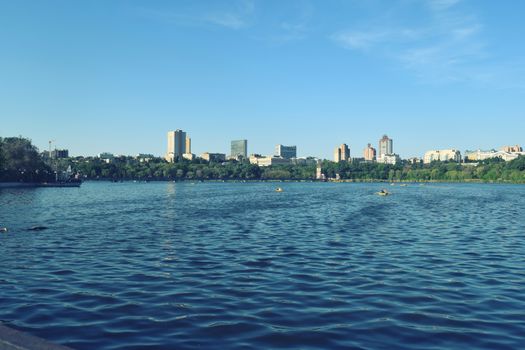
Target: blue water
[(237, 265)]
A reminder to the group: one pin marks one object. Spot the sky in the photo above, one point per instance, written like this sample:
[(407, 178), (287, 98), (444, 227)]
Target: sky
[(115, 76)]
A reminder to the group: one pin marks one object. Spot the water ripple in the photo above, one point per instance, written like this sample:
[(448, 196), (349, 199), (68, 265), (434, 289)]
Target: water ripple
[(233, 265)]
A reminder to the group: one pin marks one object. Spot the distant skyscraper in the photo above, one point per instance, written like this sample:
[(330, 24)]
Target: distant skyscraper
[(342, 153), (239, 148), (386, 146), (188, 145), (287, 152), (176, 145), (369, 153)]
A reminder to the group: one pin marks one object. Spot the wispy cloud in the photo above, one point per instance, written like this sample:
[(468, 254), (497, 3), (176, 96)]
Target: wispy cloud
[(226, 19), (360, 40), (295, 26), (439, 51), (235, 15)]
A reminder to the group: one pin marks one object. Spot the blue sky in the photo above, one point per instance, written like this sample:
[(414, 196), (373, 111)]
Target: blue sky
[(117, 75)]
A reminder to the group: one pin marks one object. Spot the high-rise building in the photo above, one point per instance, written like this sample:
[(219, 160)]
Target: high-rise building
[(286, 152), (369, 153), (386, 146), (239, 149), (342, 153), (188, 145), (176, 145)]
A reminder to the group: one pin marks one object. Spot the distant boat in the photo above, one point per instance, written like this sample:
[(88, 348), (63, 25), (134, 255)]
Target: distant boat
[(383, 193), (279, 189), (403, 185)]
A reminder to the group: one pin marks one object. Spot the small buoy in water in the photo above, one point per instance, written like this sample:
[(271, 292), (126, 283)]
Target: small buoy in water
[(279, 189), (3, 229), (38, 228)]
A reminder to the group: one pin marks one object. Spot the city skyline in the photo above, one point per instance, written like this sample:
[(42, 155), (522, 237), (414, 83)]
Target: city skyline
[(179, 146), (432, 74)]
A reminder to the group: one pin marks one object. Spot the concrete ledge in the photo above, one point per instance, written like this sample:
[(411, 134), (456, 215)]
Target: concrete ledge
[(11, 339), (18, 184)]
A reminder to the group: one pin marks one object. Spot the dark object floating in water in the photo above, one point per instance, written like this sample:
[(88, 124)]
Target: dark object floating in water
[(3, 229), (384, 193), (37, 228)]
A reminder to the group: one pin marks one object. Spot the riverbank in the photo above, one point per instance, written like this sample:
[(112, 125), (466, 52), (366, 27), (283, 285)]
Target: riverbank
[(12, 185), (473, 181), (38, 184), (18, 185)]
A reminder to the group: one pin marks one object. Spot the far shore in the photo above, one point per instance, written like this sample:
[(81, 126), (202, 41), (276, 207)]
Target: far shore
[(6, 185), (474, 181)]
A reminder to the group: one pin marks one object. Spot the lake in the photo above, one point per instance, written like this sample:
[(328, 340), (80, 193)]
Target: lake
[(237, 265)]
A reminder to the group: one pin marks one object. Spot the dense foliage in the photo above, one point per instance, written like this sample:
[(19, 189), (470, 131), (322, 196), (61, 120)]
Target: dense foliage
[(128, 168), (20, 161)]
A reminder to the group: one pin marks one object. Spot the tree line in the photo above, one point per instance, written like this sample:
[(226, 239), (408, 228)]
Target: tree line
[(20, 161), (129, 168)]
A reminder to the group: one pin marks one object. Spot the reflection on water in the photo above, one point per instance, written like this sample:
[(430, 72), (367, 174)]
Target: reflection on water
[(237, 265)]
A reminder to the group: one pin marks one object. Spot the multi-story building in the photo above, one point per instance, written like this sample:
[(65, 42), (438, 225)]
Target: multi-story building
[(213, 157), (144, 157), (259, 160), (304, 161), (286, 152), (319, 171), (414, 160), (106, 157), (442, 155), (369, 153), (480, 155), (239, 149), (386, 146), (342, 153), (389, 159), (188, 145), (176, 145), (59, 153), (188, 156), (512, 149)]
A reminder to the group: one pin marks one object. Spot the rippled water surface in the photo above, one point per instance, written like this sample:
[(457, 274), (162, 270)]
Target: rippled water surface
[(237, 265)]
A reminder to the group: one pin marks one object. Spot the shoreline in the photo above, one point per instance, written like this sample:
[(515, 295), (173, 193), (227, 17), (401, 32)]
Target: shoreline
[(473, 181), (38, 185), (18, 185)]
